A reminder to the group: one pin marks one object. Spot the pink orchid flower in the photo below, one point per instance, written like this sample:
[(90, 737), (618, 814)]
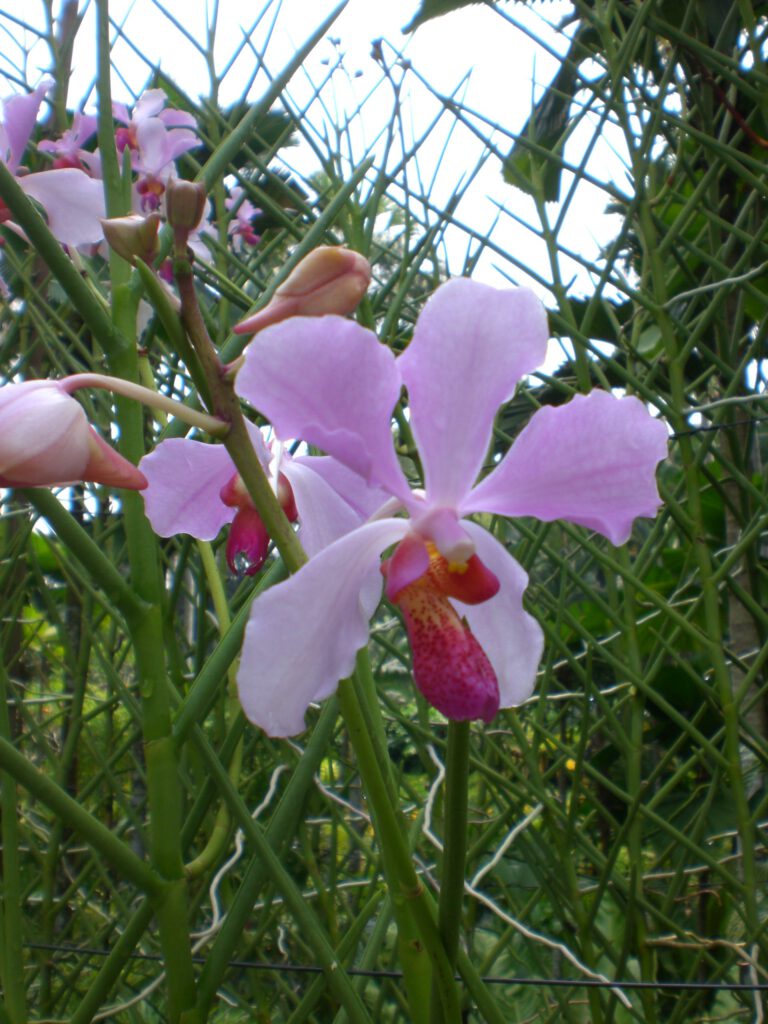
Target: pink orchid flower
[(240, 228), (194, 488), (329, 381), (73, 202), (68, 149), (155, 138), (46, 440)]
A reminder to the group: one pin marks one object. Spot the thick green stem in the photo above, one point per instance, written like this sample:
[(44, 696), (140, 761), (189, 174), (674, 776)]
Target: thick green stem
[(452, 872), (454, 837), (404, 882)]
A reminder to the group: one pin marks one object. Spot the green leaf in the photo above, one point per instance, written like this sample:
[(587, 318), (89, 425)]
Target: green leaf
[(434, 9)]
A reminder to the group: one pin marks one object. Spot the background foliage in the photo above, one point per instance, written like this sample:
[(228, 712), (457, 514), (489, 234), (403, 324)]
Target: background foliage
[(617, 821)]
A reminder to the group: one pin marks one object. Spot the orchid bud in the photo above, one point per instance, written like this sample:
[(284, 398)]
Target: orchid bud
[(184, 204), (46, 440), (247, 543), (330, 279), (133, 236)]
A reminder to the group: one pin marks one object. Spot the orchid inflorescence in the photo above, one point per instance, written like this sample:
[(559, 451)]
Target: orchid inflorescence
[(325, 381)]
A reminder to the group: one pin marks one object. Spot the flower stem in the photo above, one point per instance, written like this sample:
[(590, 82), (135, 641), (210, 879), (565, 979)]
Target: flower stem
[(226, 405), (404, 883), (11, 960), (449, 905), (147, 396)]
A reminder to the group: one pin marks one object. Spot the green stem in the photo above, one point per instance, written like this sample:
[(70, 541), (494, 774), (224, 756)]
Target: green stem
[(87, 552), (449, 907), (11, 960), (226, 405), (326, 957), (102, 839), (403, 880), (454, 837), (147, 396)]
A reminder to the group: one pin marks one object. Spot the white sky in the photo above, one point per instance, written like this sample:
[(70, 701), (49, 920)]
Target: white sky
[(507, 67)]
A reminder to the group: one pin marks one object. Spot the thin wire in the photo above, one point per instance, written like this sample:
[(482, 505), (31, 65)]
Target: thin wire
[(263, 965)]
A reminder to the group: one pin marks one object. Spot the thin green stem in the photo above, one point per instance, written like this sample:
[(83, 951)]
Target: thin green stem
[(11, 959)]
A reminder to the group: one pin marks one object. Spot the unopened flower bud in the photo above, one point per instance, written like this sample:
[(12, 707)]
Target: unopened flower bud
[(46, 440), (133, 236), (330, 279), (184, 204)]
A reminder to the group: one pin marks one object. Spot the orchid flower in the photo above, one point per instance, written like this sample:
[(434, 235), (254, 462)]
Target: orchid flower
[(240, 228), (46, 440), (194, 488), (155, 138), (73, 202), (68, 149), (328, 381)]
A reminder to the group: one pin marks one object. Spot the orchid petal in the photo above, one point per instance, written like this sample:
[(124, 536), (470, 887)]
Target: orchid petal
[(108, 467), (20, 114), (591, 461), (303, 634), (323, 514), (73, 203), (471, 345), (121, 113), (149, 105), (173, 118), (184, 481), (328, 381), (408, 563), (511, 638), (353, 489)]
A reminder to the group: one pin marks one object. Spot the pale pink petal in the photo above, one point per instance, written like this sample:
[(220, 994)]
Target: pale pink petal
[(184, 480), (20, 114), (149, 104), (120, 113), (353, 489), (511, 638), (328, 381), (108, 467), (159, 146), (471, 345), (152, 138), (303, 634), (591, 461), (73, 204), (178, 119), (323, 514)]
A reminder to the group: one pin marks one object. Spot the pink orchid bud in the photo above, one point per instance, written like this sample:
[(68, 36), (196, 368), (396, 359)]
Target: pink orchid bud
[(330, 279), (46, 441), (247, 543), (133, 236)]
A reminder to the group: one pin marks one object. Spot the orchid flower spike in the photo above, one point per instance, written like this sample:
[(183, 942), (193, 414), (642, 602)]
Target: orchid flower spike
[(194, 488), (328, 381), (46, 441), (330, 279)]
